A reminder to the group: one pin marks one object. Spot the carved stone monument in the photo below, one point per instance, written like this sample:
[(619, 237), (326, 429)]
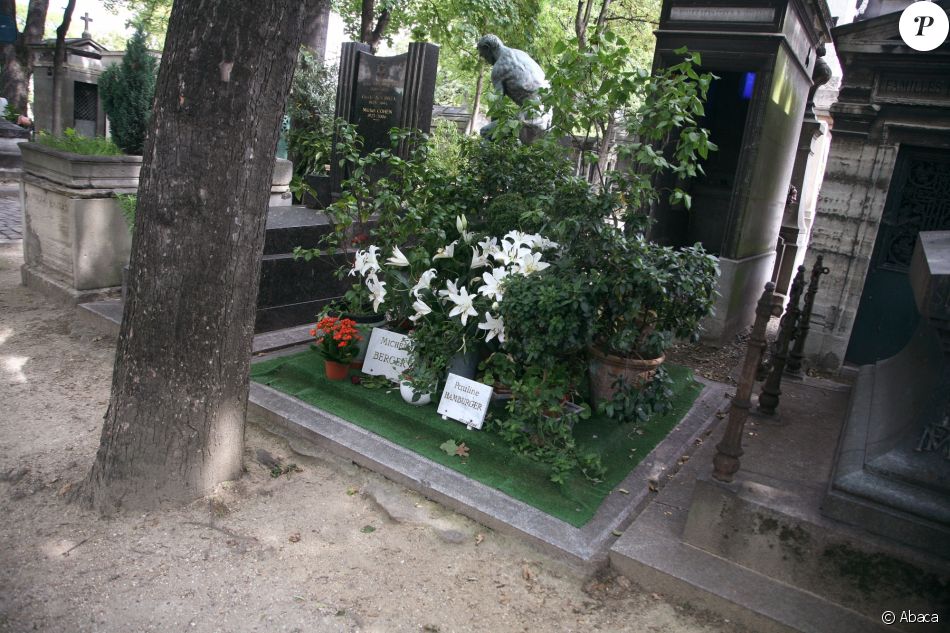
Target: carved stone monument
[(892, 474), (379, 93)]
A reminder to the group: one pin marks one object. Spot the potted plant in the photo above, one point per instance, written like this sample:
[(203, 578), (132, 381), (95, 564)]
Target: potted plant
[(641, 295), (337, 341), (418, 384)]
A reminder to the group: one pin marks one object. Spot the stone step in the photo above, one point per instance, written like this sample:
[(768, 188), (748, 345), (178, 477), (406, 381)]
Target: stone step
[(291, 226), (764, 605)]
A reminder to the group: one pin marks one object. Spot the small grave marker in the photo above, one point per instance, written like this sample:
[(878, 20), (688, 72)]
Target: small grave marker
[(465, 400), (387, 354)]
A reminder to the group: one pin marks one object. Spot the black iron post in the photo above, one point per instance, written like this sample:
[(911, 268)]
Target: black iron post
[(771, 390)]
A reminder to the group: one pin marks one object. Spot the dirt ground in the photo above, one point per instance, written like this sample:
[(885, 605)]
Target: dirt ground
[(332, 547)]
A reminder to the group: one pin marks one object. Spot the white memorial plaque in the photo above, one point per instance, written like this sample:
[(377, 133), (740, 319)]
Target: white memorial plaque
[(387, 354), (465, 400)]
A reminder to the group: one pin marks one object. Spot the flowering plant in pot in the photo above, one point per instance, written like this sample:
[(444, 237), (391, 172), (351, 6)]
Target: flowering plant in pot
[(337, 342), (451, 292)]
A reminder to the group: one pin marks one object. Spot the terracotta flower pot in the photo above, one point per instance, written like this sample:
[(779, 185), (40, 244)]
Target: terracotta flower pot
[(605, 368), (336, 371)]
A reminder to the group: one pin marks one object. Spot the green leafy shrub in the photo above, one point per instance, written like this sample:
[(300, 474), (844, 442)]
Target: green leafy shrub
[(127, 91), (310, 107), (75, 143), (127, 202)]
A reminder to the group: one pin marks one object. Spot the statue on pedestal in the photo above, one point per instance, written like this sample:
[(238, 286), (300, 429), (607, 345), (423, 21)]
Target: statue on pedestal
[(516, 75)]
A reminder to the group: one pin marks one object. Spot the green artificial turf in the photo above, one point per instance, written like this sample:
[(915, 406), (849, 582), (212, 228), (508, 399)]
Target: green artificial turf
[(490, 460)]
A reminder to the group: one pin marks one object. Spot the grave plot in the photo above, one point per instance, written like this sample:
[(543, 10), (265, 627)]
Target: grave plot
[(510, 319)]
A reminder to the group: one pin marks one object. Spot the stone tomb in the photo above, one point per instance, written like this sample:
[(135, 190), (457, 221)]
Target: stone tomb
[(765, 54), (380, 93), (889, 479), (887, 178)]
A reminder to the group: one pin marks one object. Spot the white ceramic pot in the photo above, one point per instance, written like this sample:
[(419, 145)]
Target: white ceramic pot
[(407, 392)]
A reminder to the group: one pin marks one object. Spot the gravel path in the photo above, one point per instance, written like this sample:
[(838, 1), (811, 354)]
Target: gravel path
[(331, 547)]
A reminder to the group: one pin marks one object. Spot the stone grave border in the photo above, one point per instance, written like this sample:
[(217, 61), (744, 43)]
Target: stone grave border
[(588, 546)]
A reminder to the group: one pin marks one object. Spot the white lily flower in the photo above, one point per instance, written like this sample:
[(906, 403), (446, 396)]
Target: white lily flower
[(529, 262), (489, 245), (506, 252), (492, 284), (452, 288), (461, 223), (468, 236), (463, 305), (494, 327), (397, 258), (446, 252), (516, 237), (421, 310), (377, 289), (424, 283), (479, 260), (365, 262)]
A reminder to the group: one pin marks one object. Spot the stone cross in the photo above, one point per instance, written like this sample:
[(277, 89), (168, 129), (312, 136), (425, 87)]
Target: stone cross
[(87, 20)]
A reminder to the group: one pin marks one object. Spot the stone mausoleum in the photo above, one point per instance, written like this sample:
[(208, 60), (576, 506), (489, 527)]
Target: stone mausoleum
[(765, 54), (82, 110), (887, 179)]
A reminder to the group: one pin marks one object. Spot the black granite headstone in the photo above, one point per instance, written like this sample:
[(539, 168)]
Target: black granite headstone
[(377, 105), (380, 93)]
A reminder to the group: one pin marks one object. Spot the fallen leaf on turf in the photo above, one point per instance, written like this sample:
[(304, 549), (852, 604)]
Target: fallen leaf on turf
[(479, 538), (617, 533), (623, 491), (656, 596), (526, 573), (654, 485), (294, 537), (462, 450), (449, 447), (366, 529), (352, 490)]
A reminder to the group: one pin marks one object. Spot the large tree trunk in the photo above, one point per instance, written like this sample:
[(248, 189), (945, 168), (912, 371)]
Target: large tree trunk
[(315, 30), (175, 424), (15, 58), (59, 69)]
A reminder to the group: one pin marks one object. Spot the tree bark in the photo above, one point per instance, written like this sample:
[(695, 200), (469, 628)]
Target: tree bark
[(59, 66), (315, 31), (369, 33), (174, 428), (15, 58)]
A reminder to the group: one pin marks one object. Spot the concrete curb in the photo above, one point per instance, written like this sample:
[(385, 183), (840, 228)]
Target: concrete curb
[(586, 546)]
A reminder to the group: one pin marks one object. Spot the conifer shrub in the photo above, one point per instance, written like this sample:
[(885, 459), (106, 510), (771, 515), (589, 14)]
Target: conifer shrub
[(127, 91)]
